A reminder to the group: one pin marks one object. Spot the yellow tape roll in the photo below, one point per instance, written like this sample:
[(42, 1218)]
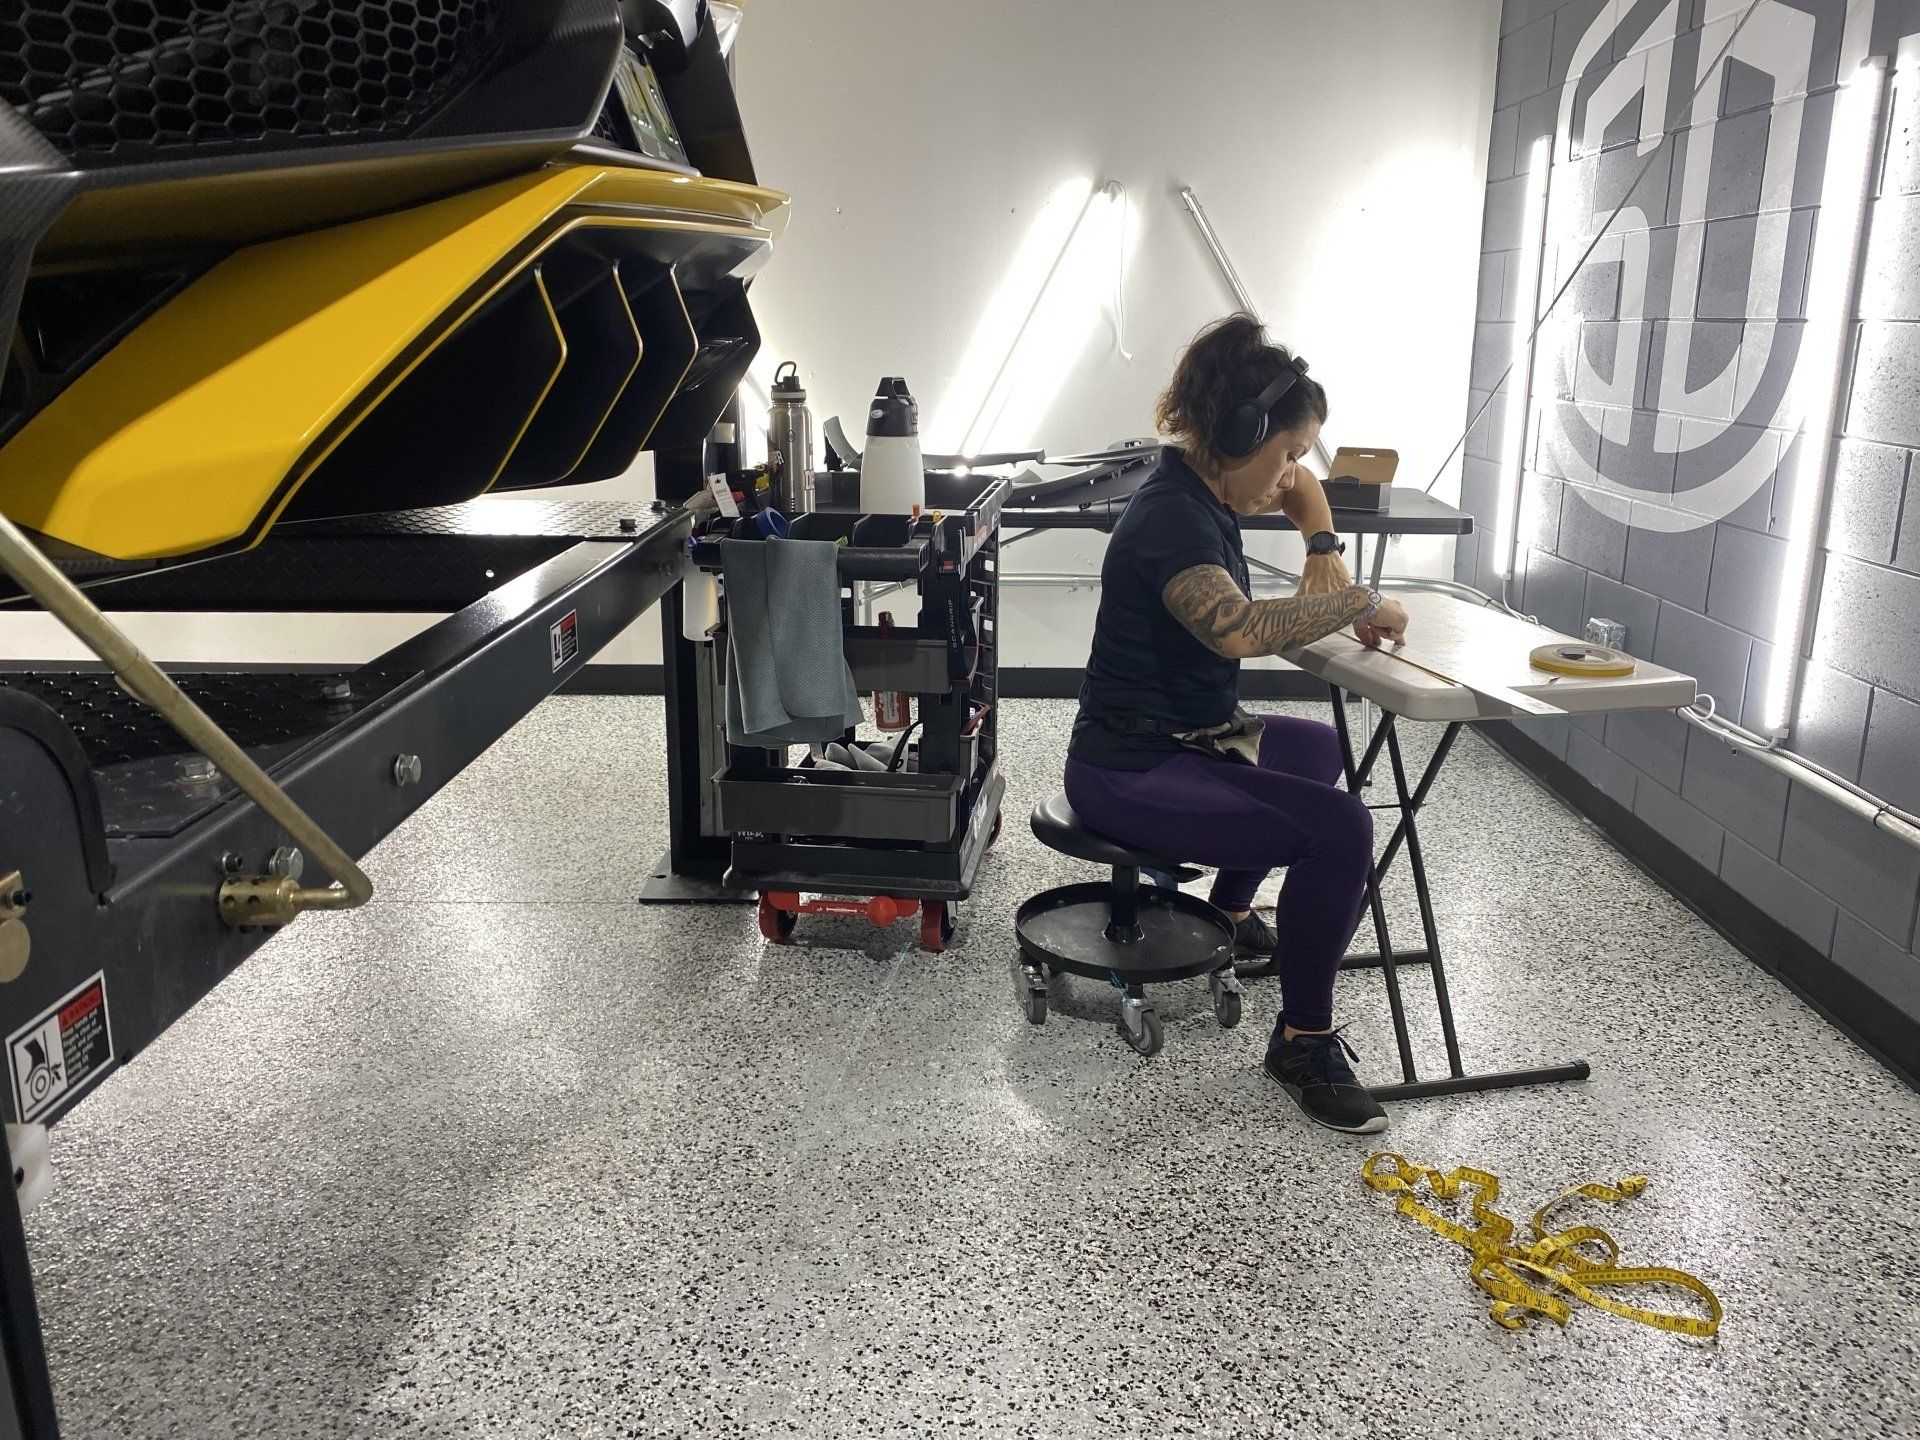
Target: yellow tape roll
[(1574, 657), (1582, 1260)]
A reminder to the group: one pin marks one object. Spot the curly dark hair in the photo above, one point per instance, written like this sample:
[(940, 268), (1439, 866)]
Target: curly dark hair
[(1229, 361)]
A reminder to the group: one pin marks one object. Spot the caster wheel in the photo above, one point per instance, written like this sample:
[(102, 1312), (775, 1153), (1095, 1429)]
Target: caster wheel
[(993, 836), (1227, 1003), (936, 926), (777, 924), (1148, 1039), (1032, 983)]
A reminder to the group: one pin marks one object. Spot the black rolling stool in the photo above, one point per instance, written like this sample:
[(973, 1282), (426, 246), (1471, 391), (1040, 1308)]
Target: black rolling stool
[(1128, 934)]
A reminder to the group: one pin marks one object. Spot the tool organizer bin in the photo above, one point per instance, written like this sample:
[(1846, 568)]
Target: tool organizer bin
[(918, 836)]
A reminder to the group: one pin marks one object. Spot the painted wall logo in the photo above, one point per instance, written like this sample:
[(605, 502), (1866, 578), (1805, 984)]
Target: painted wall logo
[(1684, 367)]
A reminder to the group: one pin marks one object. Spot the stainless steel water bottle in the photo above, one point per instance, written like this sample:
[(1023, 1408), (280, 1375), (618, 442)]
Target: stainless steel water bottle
[(790, 436)]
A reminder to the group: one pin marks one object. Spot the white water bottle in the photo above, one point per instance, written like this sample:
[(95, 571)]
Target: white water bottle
[(893, 481)]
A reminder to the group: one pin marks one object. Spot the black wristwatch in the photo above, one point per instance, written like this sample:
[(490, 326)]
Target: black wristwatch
[(1325, 542)]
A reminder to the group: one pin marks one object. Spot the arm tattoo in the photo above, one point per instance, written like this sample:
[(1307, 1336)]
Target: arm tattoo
[(1205, 600)]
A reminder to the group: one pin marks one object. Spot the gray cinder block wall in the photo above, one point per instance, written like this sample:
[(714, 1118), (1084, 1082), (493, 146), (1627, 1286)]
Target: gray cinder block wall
[(1654, 491)]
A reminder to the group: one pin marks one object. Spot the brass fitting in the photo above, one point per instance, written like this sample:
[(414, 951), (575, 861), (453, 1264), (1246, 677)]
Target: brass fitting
[(270, 900), (16, 944)]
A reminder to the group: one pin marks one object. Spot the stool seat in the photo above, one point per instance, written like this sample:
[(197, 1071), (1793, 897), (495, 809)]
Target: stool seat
[(1057, 827)]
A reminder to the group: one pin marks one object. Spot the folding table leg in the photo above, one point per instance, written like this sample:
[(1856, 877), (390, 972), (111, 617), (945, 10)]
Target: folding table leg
[(1407, 833), (1386, 961), (1409, 808)]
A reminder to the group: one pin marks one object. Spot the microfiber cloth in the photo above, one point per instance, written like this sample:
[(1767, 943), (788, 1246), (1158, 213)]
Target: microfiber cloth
[(787, 670)]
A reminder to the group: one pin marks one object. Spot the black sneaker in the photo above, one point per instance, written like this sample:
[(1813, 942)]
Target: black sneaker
[(1313, 1069), (1254, 938)]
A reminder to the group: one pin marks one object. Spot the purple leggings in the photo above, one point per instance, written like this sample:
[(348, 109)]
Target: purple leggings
[(1247, 821)]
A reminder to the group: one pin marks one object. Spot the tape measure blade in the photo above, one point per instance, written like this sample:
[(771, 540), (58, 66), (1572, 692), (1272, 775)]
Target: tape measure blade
[(1524, 703), (1499, 694)]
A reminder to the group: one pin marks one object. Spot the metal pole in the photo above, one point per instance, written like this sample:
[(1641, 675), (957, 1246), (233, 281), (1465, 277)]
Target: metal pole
[(1235, 284)]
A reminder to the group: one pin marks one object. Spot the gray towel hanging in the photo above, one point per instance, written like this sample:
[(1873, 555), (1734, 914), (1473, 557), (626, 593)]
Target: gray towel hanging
[(788, 681)]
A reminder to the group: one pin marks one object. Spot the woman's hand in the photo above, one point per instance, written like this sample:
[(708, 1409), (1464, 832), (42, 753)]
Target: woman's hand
[(1323, 575), (1388, 626)]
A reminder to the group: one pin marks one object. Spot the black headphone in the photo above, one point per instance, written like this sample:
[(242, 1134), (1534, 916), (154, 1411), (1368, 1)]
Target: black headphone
[(1242, 426)]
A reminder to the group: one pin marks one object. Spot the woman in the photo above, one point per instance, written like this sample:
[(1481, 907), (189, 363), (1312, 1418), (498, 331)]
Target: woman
[(1161, 755)]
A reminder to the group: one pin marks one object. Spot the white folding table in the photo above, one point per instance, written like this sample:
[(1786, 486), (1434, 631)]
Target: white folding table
[(1462, 663)]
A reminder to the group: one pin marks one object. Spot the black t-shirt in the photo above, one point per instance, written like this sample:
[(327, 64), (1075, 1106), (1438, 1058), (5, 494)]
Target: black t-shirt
[(1146, 664)]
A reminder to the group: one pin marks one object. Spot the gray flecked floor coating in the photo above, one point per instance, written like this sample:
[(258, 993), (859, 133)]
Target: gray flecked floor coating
[(503, 1155)]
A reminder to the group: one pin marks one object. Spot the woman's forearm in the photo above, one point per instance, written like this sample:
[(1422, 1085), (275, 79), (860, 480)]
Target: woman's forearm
[(1206, 601), (1306, 503)]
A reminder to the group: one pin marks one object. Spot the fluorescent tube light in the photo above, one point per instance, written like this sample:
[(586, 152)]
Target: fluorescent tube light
[(1818, 374), (1531, 258)]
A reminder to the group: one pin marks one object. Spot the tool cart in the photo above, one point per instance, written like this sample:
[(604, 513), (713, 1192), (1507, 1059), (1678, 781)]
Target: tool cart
[(903, 841)]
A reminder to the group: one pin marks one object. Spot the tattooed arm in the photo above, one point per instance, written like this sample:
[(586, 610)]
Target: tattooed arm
[(1205, 600)]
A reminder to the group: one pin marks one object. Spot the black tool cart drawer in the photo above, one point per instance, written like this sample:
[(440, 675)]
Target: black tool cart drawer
[(846, 804)]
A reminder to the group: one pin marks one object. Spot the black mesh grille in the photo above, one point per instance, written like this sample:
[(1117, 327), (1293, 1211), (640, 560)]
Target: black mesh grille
[(120, 81)]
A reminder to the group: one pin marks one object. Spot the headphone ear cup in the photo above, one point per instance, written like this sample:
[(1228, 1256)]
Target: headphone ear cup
[(1240, 431)]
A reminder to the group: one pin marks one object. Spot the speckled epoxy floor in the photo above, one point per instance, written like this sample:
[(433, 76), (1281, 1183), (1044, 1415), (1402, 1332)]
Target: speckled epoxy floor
[(503, 1155)]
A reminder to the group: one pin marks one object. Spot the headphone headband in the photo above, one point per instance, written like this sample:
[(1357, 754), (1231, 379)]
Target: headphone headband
[(1288, 377), (1242, 428)]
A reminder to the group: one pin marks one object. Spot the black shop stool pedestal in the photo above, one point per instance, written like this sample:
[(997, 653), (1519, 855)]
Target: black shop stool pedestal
[(1128, 934)]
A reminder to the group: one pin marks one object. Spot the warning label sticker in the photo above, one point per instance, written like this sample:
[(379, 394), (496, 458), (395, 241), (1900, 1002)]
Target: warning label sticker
[(564, 638), (59, 1054)]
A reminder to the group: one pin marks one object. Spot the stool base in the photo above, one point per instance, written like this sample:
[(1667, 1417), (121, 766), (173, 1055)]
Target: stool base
[(1070, 930)]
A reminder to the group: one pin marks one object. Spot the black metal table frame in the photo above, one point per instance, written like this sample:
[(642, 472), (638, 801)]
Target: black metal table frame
[(1408, 803)]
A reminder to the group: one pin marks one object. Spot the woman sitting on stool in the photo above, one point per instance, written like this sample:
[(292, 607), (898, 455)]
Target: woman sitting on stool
[(1163, 758)]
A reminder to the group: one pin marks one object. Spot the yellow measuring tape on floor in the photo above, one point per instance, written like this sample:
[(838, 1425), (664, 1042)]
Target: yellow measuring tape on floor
[(1520, 1276)]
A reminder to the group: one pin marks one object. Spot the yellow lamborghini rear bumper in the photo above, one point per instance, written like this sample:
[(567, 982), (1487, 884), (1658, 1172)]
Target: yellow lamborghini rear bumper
[(536, 330)]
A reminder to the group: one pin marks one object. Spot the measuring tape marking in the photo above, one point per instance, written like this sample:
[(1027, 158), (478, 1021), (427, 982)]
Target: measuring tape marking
[(1516, 1277), (1500, 694)]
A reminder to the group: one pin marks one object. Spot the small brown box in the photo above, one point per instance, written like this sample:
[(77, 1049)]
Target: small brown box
[(1360, 479)]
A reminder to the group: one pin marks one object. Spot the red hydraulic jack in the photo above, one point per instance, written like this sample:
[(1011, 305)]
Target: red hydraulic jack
[(780, 911)]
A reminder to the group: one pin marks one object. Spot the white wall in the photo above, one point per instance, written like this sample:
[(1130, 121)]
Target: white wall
[(1339, 145)]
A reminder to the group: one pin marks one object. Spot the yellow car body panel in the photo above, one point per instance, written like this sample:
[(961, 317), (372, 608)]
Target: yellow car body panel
[(195, 431)]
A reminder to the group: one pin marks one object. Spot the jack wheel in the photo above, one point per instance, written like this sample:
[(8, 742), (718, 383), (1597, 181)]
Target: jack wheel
[(993, 836), (1150, 1037), (777, 924), (936, 926)]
